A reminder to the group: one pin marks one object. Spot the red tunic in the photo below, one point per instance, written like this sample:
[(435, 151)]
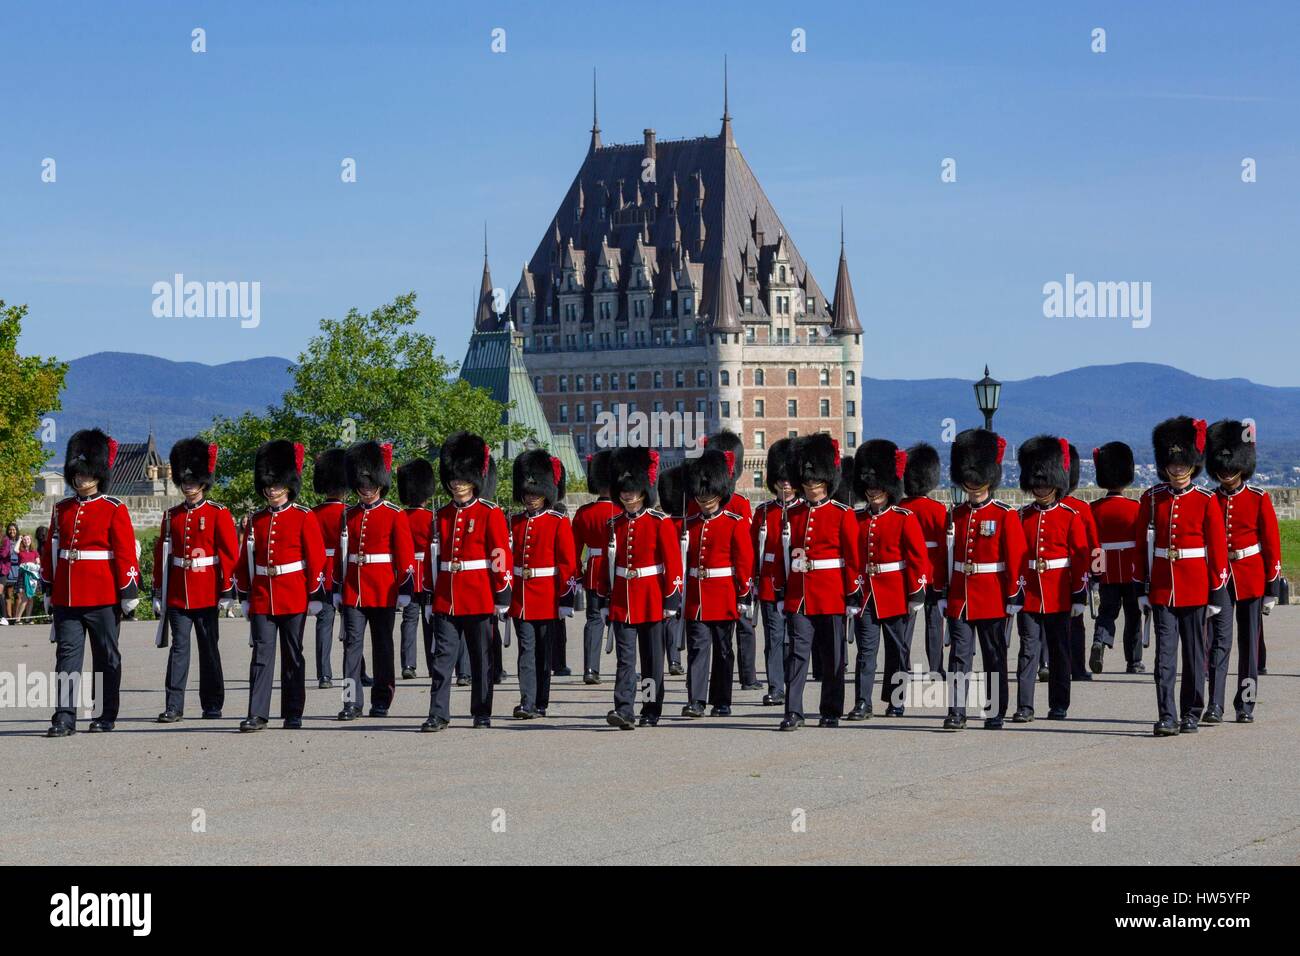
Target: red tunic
[(933, 518), (204, 554), (1119, 536), (895, 565), (289, 561), (381, 557), (988, 551), (1056, 557), (648, 567), (329, 515), (1191, 546), (473, 575), (420, 521), (719, 566), (824, 567), (545, 565), (591, 531), (769, 552), (1254, 547), (105, 571)]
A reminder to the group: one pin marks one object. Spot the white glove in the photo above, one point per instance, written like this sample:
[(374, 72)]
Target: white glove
[(157, 608), (604, 616), (1212, 610), (669, 615), (128, 604), (314, 607), (1269, 604), (337, 599), (1076, 610), (1144, 602), (502, 612), (1014, 608), (403, 600), (942, 605), (566, 611), (855, 611), (243, 609)]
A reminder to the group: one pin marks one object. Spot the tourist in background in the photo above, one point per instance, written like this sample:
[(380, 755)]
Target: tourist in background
[(9, 573)]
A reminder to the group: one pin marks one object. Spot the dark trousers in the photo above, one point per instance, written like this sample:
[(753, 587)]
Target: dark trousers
[(380, 620), (536, 641), (895, 632), (992, 636), (1246, 616), (817, 637), (931, 618), (266, 628), (498, 648), (560, 645), (324, 641), (866, 634), (451, 635), (1054, 630), (412, 615), (648, 638), (747, 650), (774, 646), (592, 632), (722, 669), (72, 625), (1175, 627), (1113, 597), (212, 686), (1078, 648), (699, 651), (673, 629)]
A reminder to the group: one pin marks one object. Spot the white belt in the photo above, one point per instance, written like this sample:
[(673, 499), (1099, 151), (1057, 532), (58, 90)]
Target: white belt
[(645, 572), (1243, 553), (277, 569), (975, 567), (1179, 554), (370, 559), (874, 569), (808, 564), (329, 552), (1048, 564), (712, 572), (75, 555), (932, 544), (1118, 545), (534, 572), (479, 564), (419, 555), (194, 562)]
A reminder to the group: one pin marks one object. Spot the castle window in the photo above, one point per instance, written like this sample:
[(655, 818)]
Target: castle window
[(679, 405), (613, 380), (792, 407), (792, 377), (597, 408), (564, 383), (758, 479), (564, 413), (690, 336), (783, 273), (580, 383), (760, 408), (783, 336), (580, 440), (701, 378), (537, 383), (824, 377), (596, 382), (724, 377), (581, 411), (852, 439), (659, 380), (751, 334), (622, 337), (825, 407), (688, 305), (726, 409), (699, 405), (550, 342), (524, 313), (658, 406), (760, 439), (749, 303), (570, 341), (792, 434), (548, 313), (640, 337), (604, 340), (670, 336), (679, 378), (850, 408), (758, 376), (587, 339), (631, 381), (850, 378), (811, 305), (604, 310)]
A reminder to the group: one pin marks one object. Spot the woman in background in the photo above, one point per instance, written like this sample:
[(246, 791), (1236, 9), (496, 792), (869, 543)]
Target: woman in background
[(9, 572)]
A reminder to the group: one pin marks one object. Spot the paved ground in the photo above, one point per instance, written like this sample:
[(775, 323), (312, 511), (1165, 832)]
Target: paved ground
[(571, 790)]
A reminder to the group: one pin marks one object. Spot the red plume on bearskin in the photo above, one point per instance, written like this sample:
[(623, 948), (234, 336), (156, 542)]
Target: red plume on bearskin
[(212, 458), (835, 447), (112, 449), (900, 462), (298, 453), (1095, 452), (1065, 453), (386, 449), (731, 462), (1199, 423), (487, 457), (653, 472), (1002, 448), (557, 469)]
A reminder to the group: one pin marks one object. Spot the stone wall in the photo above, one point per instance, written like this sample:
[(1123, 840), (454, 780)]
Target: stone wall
[(146, 511)]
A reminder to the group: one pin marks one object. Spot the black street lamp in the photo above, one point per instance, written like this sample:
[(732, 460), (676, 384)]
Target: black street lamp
[(987, 392)]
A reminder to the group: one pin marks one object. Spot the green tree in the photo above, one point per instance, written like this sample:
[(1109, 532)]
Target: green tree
[(364, 377), (30, 387)]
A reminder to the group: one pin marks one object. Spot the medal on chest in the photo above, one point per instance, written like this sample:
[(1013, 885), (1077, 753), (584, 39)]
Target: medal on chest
[(988, 529)]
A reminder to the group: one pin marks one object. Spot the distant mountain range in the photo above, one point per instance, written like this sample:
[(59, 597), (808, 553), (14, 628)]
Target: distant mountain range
[(132, 394)]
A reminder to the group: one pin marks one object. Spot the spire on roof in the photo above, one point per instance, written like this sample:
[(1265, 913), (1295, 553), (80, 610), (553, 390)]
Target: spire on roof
[(844, 311), (595, 120), (724, 307), (485, 320), (726, 136)]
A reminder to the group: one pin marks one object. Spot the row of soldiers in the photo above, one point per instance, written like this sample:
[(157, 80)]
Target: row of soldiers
[(676, 560)]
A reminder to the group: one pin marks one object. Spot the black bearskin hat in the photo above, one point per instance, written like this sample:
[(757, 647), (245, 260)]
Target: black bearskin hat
[(780, 463), (672, 490), (278, 462), (1179, 441), (727, 441), (1074, 469), (843, 491), (879, 464), (91, 453), (193, 459), (465, 456), (1043, 465), (537, 473), (370, 463), (598, 471), (634, 469), (977, 458), (489, 490), (922, 474), (415, 482), (330, 473), (817, 458), (709, 475), (1229, 448), (1114, 462)]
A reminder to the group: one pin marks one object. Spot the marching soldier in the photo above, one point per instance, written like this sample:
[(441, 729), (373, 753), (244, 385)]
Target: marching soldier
[(719, 585), (1184, 568), (198, 549), (90, 577), (1055, 573), (672, 501), (471, 582), (920, 478), (329, 479), (280, 577), (986, 589), (545, 575), (1079, 658), (591, 533), (377, 575), (823, 582), (644, 588), (415, 489), (1254, 565), (895, 571), (770, 536), (1118, 535)]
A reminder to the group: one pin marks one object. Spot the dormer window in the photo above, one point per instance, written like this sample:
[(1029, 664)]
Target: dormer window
[(688, 305), (749, 303), (783, 273)]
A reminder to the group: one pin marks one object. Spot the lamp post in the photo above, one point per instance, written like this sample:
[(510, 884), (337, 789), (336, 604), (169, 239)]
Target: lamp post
[(987, 392)]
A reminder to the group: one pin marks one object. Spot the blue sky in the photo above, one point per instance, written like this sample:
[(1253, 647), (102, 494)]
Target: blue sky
[(1119, 166)]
